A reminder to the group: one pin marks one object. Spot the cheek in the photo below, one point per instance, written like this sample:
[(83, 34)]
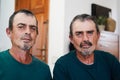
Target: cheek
[(14, 36), (17, 36), (94, 40), (34, 36), (77, 42)]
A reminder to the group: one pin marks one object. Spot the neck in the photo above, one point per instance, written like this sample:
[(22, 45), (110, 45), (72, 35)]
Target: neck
[(21, 55), (88, 59)]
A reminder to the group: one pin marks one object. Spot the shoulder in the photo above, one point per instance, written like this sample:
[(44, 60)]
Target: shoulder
[(41, 67), (104, 54), (67, 56), (40, 63), (110, 58), (4, 53), (64, 63), (66, 59)]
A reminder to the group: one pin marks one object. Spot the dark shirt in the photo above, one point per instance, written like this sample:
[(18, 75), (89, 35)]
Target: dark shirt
[(10, 69), (105, 67)]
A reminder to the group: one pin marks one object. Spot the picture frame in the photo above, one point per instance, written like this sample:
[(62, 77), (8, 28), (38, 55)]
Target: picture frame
[(98, 10)]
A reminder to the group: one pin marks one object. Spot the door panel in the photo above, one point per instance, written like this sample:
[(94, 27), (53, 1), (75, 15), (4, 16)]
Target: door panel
[(19, 4), (40, 9)]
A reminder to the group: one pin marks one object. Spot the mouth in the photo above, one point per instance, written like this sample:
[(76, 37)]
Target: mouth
[(26, 40), (86, 46)]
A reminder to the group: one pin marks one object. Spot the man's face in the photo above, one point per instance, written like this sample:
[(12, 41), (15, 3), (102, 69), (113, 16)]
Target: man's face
[(84, 37), (24, 33)]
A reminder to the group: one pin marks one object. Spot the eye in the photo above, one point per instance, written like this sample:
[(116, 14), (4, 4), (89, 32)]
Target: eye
[(21, 26), (79, 34), (90, 33), (34, 28)]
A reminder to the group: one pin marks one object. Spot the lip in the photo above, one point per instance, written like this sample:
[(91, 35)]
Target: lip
[(85, 46), (26, 40)]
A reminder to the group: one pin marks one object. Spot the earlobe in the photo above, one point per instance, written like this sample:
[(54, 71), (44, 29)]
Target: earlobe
[(8, 32), (98, 35), (71, 38)]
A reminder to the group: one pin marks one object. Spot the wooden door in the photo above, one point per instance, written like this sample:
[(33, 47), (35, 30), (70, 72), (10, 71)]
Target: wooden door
[(40, 9)]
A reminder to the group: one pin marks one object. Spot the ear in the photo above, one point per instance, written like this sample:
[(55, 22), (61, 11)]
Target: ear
[(71, 38), (98, 35), (8, 32)]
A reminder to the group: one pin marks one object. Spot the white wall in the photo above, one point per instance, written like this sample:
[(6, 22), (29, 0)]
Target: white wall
[(6, 9), (56, 30)]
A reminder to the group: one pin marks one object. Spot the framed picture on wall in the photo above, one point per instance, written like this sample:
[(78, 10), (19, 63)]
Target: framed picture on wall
[(98, 10)]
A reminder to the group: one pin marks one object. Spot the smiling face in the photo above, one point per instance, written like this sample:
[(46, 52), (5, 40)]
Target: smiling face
[(24, 32), (84, 36)]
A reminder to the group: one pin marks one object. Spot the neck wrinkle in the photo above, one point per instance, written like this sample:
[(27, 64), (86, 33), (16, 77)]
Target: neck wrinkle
[(22, 57)]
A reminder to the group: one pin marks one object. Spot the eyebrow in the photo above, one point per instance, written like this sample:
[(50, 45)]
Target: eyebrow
[(21, 24), (90, 31), (85, 31), (26, 24)]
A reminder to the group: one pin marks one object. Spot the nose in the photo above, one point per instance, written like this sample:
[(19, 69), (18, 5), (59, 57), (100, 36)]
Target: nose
[(27, 31), (85, 37)]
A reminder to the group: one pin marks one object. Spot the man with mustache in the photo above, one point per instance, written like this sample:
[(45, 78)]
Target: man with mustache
[(17, 63), (85, 62)]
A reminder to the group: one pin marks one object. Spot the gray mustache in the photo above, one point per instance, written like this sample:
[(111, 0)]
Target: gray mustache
[(85, 42)]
